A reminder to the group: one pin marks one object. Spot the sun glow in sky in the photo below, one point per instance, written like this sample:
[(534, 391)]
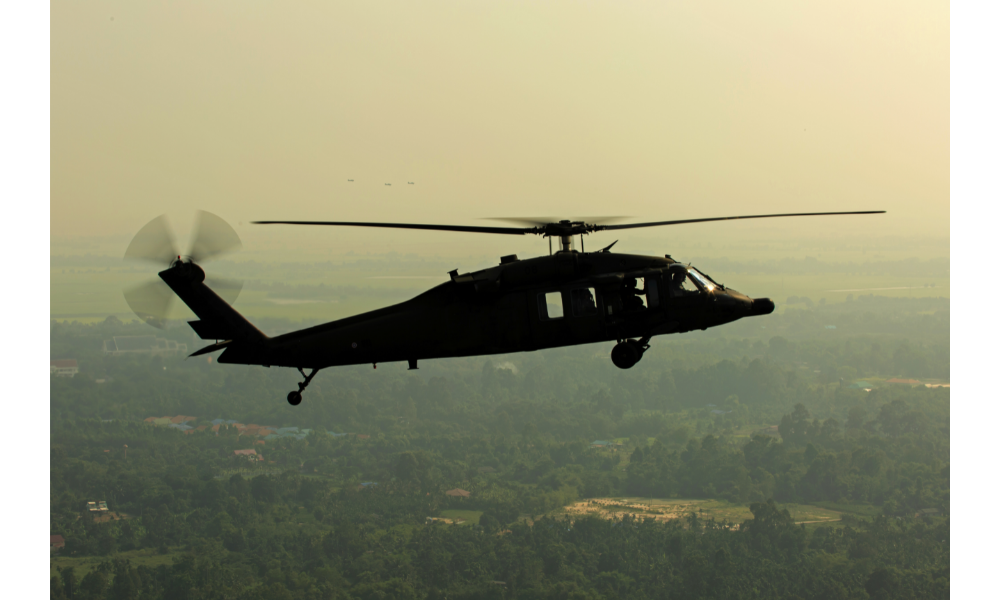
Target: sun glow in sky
[(657, 110)]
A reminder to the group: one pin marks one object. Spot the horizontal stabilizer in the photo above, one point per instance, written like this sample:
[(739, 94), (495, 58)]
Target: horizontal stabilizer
[(213, 330), (210, 349)]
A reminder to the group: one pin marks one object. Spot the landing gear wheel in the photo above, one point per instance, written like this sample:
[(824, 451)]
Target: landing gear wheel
[(626, 354), (295, 398)]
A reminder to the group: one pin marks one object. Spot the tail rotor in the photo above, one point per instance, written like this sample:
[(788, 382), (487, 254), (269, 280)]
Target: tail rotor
[(213, 237)]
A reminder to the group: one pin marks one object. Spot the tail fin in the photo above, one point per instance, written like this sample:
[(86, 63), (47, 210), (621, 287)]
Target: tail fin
[(217, 320)]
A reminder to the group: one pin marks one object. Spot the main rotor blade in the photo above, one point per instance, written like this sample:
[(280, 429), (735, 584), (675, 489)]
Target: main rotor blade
[(658, 223), (154, 242), (460, 228), (227, 289), (543, 221), (533, 221), (212, 236), (150, 302)]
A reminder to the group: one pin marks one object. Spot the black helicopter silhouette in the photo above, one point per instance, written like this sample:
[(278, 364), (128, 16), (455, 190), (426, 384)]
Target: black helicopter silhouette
[(567, 298)]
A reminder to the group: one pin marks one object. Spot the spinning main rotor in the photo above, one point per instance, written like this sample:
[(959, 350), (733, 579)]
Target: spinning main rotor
[(564, 230)]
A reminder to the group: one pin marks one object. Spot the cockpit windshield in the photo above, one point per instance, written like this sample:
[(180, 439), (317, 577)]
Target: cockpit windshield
[(703, 282)]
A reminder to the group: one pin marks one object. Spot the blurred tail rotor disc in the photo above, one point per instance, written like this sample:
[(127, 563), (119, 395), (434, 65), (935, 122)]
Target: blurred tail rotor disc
[(151, 301)]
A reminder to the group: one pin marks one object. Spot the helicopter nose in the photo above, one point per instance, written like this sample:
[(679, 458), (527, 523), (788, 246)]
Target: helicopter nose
[(761, 306)]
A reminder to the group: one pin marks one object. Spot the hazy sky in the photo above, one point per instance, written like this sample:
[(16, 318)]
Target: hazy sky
[(659, 110)]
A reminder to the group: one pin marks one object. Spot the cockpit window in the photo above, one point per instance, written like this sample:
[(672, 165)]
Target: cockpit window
[(702, 281), (679, 282)]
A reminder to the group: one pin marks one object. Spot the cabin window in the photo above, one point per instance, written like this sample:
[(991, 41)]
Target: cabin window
[(584, 302), (550, 306), (633, 294), (652, 293)]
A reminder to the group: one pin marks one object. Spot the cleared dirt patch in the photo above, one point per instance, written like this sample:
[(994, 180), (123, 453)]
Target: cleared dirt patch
[(668, 509)]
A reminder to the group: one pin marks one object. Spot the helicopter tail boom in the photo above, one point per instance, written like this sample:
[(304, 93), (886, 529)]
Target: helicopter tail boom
[(217, 319)]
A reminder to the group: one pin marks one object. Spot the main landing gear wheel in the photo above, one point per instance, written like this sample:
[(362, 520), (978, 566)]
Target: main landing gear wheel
[(295, 398), (625, 354)]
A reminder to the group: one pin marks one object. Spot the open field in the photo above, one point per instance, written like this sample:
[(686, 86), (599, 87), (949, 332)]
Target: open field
[(148, 557), (467, 517), (94, 294), (668, 509), (835, 287), (90, 287), (861, 510)]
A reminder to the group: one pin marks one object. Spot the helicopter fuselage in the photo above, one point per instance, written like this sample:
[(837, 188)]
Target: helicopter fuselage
[(564, 299)]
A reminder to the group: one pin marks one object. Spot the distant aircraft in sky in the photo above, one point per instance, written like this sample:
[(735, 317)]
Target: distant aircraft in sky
[(410, 182), (388, 184), (350, 180)]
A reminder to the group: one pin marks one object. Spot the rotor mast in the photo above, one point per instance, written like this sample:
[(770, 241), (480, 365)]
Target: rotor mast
[(566, 238)]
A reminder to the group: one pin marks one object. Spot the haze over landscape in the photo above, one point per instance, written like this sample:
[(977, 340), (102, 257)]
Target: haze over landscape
[(804, 453)]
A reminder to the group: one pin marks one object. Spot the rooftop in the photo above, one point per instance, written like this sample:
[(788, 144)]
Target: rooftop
[(134, 342)]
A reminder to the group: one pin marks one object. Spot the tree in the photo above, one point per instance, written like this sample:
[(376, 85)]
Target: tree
[(856, 417), (68, 576), (795, 427)]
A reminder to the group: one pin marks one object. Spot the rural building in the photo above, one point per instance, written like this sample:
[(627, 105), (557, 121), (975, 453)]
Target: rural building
[(904, 381), (287, 432), (142, 344), (108, 517), (97, 507), (366, 484), (248, 454), (65, 367), (458, 493), (56, 542), (604, 444), (178, 422)]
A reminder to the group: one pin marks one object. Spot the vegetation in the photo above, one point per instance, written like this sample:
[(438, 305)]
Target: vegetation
[(771, 429)]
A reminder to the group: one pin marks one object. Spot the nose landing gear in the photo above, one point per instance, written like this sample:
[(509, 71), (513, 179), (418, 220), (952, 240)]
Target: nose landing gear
[(627, 353), (295, 398)]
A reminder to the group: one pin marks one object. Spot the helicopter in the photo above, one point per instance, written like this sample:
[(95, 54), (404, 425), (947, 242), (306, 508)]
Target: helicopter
[(567, 298)]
